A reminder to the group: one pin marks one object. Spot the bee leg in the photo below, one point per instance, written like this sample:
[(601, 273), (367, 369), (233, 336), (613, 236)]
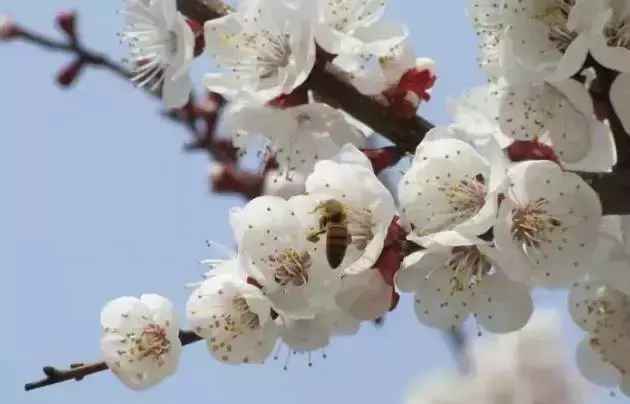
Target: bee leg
[(313, 236)]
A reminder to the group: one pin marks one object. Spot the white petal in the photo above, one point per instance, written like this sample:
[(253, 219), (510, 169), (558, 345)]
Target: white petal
[(437, 305), (211, 307), (124, 315), (306, 335), (162, 308), (410, 278), (176, 91), (593, 368), (365, 296), (503, 305)]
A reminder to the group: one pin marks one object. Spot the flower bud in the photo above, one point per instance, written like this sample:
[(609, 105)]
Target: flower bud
[(68, 75), (66, 20)]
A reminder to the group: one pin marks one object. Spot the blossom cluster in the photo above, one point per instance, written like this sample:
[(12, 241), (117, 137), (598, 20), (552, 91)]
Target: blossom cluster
[(486, 210)]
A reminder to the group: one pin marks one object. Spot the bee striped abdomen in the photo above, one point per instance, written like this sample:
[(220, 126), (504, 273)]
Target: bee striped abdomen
[(337, 240)]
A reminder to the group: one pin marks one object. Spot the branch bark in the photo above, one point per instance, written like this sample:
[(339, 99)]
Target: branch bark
[(77, 371)]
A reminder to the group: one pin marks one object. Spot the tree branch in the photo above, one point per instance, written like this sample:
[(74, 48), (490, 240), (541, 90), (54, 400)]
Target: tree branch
[(78, 371)]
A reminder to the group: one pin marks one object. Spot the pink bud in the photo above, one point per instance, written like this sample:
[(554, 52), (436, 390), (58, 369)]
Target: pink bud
[(383, 157), (66, 20), (8, 29), (68, 75)]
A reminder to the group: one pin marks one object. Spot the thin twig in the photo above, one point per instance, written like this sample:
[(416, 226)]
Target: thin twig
[(77, 371)]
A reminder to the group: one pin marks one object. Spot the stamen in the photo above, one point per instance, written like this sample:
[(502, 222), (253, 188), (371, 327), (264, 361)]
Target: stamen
[(291, 267)]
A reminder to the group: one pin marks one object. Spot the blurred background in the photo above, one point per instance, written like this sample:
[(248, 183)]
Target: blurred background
[(98, 200)]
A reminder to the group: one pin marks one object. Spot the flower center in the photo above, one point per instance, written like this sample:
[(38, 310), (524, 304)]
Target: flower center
[(555, 14), (464, 198), (152, 343), (532, 224), (617, 31), (291, 267), (273, 53), (469, 266)]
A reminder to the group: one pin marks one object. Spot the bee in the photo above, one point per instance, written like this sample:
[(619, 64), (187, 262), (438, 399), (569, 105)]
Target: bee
[(333, 221)]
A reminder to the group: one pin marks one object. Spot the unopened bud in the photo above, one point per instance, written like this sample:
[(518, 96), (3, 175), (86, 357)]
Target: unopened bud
[(226, 178), (8, 28), (69, 74), (66, 20)]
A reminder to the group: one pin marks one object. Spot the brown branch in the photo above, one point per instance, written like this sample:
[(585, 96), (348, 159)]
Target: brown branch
[(77, 371)]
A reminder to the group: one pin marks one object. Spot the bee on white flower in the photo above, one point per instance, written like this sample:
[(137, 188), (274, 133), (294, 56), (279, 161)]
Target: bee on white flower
[(140, 341), (547, 224), (274, 250), (162, 48), (265, 49), (234, 318), (350, 180)]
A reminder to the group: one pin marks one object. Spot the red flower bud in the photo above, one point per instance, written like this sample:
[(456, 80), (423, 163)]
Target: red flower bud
[(226, 178), (68, 75), (66, 20), (522, 150), (383, 157), (418, 80)]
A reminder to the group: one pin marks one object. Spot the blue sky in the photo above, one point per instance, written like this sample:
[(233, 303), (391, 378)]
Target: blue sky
[(99, 201)]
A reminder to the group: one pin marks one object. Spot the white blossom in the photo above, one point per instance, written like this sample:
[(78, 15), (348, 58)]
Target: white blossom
[(234, 318), (355, 27), (274, 249), (299, 136), (140, 341), (265, 49), (162, 48), (547, 36), (545, 226), (370, 209), (543, 111), (452, 282), (609, 39), (448, 188)]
